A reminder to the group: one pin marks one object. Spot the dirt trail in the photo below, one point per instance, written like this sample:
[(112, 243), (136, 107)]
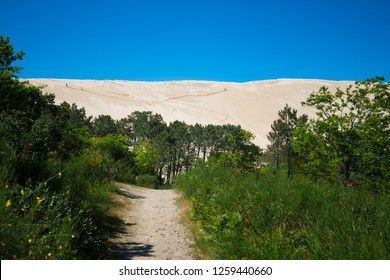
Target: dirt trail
[(148, 226)]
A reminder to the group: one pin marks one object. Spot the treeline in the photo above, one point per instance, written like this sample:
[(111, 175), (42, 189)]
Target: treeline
[(348, 141), (161, 151)]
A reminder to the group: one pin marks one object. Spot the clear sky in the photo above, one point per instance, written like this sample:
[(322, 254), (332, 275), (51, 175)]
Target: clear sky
[(231, 40)]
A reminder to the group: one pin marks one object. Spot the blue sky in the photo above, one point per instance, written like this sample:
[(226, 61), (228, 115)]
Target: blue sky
[(240, 40)]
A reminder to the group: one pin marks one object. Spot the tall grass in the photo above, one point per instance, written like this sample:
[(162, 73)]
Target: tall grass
[(263, 216)]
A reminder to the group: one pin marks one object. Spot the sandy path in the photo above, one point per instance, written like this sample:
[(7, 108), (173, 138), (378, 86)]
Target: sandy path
[(150, 226)]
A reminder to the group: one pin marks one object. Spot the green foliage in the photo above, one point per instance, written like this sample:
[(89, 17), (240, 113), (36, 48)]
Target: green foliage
[(147, 181), (262, 216), (31, 124), (54, 187), (280, 149), (115, 146), (88, 179), (60, 217), (141, 127), (35, 224), (146, 158), (238, 151), (7, 58), (104, 125), (73, 142), (168, 150), (352, 130), (313, 157), (77, 116)]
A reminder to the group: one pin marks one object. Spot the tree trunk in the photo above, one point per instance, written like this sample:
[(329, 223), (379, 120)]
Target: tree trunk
[(169, 173), (204, 153)]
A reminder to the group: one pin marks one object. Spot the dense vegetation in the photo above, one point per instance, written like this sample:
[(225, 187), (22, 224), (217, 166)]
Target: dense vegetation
[(268, 216)]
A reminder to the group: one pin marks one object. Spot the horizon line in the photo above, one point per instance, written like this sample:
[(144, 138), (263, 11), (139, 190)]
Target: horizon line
[(193, 80)]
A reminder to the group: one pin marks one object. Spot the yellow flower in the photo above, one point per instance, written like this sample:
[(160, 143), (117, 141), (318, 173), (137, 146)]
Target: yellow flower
[(60, 247), (8, 203), (49, 254), (72, 235), (24, 208), (22, 192), (30, 241), (59, 174), (39, 200)]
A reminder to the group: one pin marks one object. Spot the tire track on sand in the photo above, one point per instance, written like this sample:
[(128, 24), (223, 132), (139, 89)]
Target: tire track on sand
[(152, 226)]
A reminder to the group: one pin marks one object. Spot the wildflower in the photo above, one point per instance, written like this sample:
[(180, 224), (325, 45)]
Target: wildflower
[(22, 192), (59, 174), (49, 254), (30, 241), (39, 200), (60, 247), (72, 235), (24, 208), (8, 203)]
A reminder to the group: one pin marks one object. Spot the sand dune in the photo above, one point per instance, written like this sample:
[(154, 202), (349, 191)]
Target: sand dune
[(253, 105)]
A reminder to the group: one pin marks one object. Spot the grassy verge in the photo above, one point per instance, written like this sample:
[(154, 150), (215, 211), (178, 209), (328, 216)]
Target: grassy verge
[(262, 216), (186, 206)]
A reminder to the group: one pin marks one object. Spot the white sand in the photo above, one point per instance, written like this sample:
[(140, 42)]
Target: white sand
[(253, 105), (152, 228)]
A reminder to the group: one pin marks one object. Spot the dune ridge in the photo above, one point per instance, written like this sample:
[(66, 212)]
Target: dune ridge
[(253, 105)]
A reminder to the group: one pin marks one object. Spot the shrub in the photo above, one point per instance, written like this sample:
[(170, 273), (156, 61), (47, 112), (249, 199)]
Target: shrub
[(61, 217), (35, 223), (148, 181)]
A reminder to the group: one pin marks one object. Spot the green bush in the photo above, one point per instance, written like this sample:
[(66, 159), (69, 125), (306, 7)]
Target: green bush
[(125, 172), (35, 223), (61, 217), (148, 181), (263, 216), (115, 146)]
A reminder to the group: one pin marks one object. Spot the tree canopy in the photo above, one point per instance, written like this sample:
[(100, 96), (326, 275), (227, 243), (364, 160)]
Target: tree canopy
[(351, 134), (7, 58), (280, 148)]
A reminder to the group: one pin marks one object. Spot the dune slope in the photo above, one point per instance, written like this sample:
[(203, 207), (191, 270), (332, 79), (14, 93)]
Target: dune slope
[(253, 105)]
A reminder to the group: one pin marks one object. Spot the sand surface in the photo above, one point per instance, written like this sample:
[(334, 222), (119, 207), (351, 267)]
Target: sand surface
[(253, 105), (151, 227)]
